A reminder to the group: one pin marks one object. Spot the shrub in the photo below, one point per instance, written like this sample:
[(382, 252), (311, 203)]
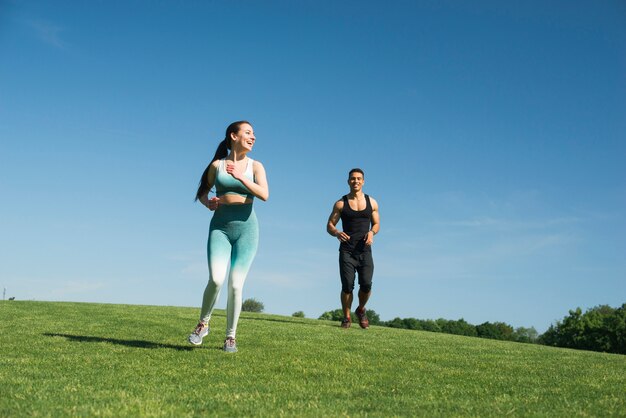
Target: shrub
[(252, 305)]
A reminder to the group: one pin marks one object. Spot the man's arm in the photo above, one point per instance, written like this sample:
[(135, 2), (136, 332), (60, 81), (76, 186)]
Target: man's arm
[(334, 217), (369, 238)]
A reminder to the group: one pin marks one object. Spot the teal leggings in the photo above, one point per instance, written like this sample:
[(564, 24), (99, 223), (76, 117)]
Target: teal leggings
[(231, 247)]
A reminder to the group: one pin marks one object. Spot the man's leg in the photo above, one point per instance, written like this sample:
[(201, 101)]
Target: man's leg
[(366, 272), (347, 271), (363, 298), (346, 304)]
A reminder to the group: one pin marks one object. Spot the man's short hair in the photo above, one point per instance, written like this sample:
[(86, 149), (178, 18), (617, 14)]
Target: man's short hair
[(356, 170)]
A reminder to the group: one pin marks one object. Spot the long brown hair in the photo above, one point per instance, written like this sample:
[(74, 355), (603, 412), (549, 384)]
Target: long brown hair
[(220, 152)]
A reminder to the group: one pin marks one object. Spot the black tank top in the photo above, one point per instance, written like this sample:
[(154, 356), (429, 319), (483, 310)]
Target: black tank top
[(356, 223)]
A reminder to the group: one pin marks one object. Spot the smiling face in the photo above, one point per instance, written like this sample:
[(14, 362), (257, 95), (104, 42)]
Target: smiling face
[(244, 138), (355, 181)]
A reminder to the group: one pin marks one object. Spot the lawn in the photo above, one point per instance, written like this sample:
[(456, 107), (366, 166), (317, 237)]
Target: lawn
[(60, 359)]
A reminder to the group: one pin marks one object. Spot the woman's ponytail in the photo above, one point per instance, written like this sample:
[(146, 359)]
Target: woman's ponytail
[(220, 152)]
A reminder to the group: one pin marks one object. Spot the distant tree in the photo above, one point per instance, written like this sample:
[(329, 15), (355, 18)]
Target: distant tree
[(372, 316), (601, 328), (571, 330), (442, 323), (252, 305), (550, 337), (525, 335), (495, 331), (429, 325), (411, 323), (598, 334), (396, 322), (616, 326), (336, 315), (459, 327), (488, 330), (298, 314)]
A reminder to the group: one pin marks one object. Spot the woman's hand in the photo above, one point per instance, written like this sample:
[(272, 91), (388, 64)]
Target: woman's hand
[(214, 202), (232, 169)]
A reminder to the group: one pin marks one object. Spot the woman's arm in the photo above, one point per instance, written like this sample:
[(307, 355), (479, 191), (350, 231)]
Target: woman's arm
[(259, 186), (204, 199)]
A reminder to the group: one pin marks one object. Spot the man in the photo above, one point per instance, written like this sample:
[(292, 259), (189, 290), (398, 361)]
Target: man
[(360, 222)]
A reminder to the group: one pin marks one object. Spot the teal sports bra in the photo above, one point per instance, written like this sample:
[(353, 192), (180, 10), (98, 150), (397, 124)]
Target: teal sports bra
[(227, 184)]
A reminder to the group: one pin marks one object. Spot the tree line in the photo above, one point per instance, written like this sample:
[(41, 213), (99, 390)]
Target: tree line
[(496, 330), (601, 328)]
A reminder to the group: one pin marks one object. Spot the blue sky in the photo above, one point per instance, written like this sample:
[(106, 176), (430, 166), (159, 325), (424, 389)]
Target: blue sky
[(491, 133)]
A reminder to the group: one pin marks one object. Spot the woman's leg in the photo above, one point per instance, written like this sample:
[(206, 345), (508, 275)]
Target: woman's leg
[(218, 255), (243, 252)]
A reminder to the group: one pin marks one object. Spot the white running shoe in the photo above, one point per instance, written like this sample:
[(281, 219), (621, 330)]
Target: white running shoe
[(229, 345), (201, 331)]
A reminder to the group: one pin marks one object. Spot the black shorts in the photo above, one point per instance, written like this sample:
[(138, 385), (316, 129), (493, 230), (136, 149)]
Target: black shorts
[(351, 264)]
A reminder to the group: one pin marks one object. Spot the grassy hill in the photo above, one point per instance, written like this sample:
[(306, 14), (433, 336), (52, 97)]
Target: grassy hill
[(64, 359)]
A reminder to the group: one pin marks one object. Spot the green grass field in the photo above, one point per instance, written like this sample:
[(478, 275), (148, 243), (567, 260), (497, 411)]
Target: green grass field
[(60, 359)]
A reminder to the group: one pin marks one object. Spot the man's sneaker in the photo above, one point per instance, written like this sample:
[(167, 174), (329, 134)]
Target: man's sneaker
[(346, 323), (201, 331), (229, 345), (363, 321)]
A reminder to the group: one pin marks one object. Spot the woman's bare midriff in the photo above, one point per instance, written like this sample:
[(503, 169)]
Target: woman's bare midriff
[(229, 199)]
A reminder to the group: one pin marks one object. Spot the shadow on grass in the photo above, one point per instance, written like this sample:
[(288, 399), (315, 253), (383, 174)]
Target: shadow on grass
[(288, 320), (307, 321), (127, 343)]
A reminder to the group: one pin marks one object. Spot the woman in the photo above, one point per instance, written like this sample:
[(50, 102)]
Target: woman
[(234, 232)]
